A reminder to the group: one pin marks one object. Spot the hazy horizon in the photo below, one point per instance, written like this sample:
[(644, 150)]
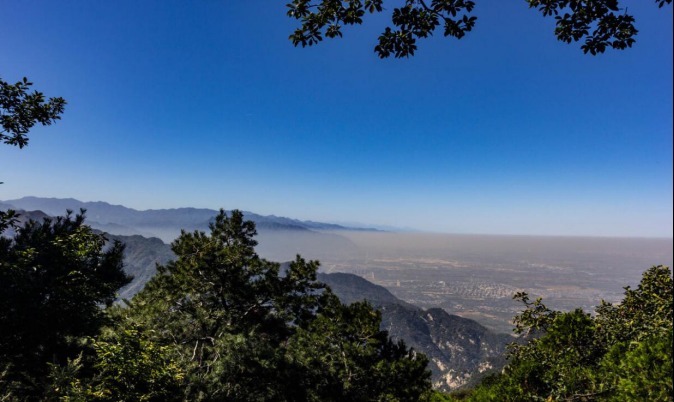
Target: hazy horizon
[(359, 225), (473, 275)]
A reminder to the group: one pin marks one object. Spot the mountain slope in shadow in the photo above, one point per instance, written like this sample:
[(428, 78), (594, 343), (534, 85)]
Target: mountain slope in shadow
[(460, 350)]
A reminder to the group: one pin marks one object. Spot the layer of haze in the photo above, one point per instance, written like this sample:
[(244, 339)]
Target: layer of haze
[(207, 104), (476, 276)]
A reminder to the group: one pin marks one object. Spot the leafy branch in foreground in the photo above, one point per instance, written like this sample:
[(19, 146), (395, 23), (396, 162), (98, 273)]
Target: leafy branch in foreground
[(599, 24), (21, 109)]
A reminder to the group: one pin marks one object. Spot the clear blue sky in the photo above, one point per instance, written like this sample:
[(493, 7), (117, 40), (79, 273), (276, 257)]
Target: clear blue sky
[(207, 104)]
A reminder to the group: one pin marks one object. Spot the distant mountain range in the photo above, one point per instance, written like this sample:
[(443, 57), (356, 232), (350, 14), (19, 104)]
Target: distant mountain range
[(280, 238), (122, 218)]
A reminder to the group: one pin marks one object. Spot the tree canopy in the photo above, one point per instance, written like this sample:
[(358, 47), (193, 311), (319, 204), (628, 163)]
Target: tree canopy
[(622, 353), (245, 328), (599, 24), (221, 323), (55, 276)]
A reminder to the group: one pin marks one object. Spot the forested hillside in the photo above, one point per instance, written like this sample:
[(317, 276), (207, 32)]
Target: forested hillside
[(216, 323)]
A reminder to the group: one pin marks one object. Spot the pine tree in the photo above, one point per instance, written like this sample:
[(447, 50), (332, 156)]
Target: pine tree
[(55, 276)]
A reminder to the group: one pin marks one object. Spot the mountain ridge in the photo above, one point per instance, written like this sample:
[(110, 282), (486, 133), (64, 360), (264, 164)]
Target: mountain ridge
[(104, 213), (282, 238)]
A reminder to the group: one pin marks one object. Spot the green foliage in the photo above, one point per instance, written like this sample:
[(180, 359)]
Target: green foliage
[(561, 362), (623, 353), (643, 312), (20, 110), (8, 219), (346, 356), (243, 329), (8, 386), (639, 334), (129, 366), (600, 23), (535, 317), (54, 278), (65, 386), (414, 20), (437, 396), (124, 365), (218, 323), (644, 372)]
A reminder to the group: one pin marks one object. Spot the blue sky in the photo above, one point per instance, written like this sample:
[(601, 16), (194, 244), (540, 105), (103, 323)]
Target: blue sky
[(207, 104)]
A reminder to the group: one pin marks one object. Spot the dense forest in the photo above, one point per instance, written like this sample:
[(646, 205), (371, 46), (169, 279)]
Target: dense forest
[(221, 323)]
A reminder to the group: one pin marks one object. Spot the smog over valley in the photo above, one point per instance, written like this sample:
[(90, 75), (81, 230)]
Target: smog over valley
[(473, 276)]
